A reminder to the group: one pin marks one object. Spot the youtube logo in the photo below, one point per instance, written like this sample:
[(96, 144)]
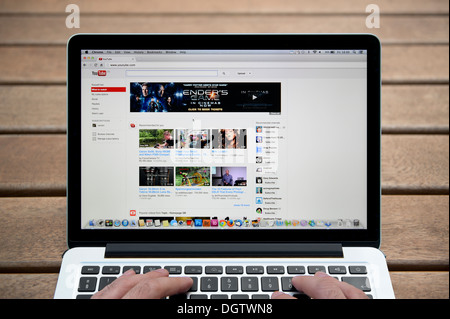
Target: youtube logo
[(101, 72)]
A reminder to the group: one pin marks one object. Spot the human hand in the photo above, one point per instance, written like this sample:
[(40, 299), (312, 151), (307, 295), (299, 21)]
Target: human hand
[(322, 286), (152, 285)]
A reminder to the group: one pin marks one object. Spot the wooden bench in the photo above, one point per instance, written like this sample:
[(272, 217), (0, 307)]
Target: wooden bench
[(415, 120)]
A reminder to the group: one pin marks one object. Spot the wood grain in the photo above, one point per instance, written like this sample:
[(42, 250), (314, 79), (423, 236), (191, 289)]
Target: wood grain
[(32, 165), (27, 286), (33, 109), (415, 164), (26, 30), (420, 285), (414, 232), (418, 109), (33, 234), (33, 65), (415, 64)]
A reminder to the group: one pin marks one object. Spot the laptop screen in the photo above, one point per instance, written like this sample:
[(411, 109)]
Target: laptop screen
[(224, 139)]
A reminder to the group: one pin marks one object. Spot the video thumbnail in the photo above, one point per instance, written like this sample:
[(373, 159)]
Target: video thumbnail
[(155, 176), (229, 176), (188, 138), (229, 138), (162, 138), (192, 176)]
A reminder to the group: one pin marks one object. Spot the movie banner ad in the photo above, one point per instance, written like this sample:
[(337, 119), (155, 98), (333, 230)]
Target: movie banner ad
[(205, 97)]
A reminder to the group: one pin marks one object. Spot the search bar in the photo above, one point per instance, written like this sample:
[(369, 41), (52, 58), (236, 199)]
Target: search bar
[(171, 73)]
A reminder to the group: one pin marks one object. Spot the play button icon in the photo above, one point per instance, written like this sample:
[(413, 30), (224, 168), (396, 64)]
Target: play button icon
[(254, 97)]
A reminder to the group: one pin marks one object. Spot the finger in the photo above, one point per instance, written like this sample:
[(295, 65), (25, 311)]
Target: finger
[(119, 287), (281, 295), (352, 292), (158, 288), (320, 286)]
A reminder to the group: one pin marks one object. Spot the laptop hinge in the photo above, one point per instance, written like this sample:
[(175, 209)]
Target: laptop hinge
[(156, 250)]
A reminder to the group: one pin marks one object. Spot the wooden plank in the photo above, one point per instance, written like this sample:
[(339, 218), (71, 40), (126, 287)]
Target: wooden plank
[(407, 285), (405, 109), (401, 64), (420, 285), (33, 235), (415, 164), (33, 65), (410, 164), (33, 165), (414, 64), (415, 109), (28, 109), (27, 286), (26, 30), (414, 233), (230, 6)]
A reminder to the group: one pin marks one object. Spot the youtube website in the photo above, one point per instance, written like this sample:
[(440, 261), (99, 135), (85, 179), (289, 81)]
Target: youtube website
[(220, 140)]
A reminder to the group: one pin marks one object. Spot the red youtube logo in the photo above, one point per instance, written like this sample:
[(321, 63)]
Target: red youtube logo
[(101, 72)]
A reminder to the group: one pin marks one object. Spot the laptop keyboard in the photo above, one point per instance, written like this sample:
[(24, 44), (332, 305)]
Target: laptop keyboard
[(227, 282)]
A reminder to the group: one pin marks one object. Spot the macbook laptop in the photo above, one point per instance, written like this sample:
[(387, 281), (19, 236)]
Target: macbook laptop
[(238, 160)]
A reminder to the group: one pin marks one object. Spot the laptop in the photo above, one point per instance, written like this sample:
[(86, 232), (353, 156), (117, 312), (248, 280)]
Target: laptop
[(240, 160)]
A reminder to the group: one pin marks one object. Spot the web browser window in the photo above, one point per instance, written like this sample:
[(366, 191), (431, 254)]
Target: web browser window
[(224, 140)]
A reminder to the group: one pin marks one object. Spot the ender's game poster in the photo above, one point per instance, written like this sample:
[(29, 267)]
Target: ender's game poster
[(205, 97)]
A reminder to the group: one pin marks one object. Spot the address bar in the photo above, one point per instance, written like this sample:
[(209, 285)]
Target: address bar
[(171, 73)]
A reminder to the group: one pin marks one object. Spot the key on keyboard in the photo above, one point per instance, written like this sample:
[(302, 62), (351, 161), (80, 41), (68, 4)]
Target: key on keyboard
[(87, 284), (359, 282), (104, 281), (110, 270), (234, 270), (209, 284), (269, 284), (229, 284), (137, 269), (249, 283)]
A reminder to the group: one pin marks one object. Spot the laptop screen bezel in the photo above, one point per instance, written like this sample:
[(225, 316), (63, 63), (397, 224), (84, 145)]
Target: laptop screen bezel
[(347, 237)]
